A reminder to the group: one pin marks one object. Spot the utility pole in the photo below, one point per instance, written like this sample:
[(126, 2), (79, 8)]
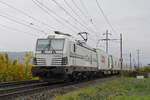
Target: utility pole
[(138, 57), (107, 40), (130, 60), (134, 63), (121, 55), (121, 47)]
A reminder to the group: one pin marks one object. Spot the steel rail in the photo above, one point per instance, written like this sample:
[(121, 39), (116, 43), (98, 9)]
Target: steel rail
[(22, 87), (40, 87), (15, 83), (31, 90)]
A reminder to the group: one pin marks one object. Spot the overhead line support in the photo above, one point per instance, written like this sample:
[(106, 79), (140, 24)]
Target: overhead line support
[(121, 46)]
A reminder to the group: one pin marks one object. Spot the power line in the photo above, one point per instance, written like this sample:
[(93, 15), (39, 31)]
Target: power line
[(23, 24), (88, 17), (82, 3), (70, 7), (108, 22), (22, 20), (82, 12), (70, 14), (14, 29), (48, 11), (67, 12), (45, 11), (54, 13), (79, 9), (24, 13), (91, 21)]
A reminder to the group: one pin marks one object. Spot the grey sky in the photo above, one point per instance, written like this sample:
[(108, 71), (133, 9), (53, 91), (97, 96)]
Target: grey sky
[(130, 17)]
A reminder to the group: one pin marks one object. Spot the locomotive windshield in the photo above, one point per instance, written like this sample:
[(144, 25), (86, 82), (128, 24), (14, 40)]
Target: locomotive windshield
[(50, 44)]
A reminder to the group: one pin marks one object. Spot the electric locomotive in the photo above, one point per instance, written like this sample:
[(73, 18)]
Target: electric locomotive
[(59, 57)]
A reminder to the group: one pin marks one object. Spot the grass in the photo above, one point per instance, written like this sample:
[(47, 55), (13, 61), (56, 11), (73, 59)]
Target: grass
[(117, 89)]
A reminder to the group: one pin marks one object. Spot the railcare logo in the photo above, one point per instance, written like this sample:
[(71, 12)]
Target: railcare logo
[(103, 59)]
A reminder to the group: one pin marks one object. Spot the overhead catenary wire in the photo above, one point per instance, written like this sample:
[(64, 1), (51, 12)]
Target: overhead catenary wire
[(82, 12), (22, 20), (14, 29), (50, 12), (88, 16), (62, 8), (70, 7), (75, 13), (100, 44), (71, 15), (84, 7), (46, 11), (21, 23), (105, 17), (24, 13)]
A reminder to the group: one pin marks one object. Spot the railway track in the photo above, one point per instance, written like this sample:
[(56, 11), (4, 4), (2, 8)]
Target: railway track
[(10, 84), (12, 92)]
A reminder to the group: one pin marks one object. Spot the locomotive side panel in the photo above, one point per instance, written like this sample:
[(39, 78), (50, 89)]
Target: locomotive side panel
[(81, 56)]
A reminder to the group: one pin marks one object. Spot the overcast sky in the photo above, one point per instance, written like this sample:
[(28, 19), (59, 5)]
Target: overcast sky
[(130, 17)]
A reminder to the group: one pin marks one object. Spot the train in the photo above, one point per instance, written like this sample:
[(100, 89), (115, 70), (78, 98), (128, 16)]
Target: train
[(60, 57)]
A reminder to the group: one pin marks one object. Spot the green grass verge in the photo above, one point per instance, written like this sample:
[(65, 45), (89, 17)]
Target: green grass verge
[(117, 89)]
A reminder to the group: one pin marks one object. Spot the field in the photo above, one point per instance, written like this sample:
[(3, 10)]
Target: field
[(116, 89)]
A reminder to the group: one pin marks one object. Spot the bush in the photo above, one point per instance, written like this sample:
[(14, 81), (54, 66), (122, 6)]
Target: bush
[(15, 70), (139, 71)]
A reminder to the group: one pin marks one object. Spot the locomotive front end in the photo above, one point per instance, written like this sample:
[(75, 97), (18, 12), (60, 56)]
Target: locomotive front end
[(50, 58)]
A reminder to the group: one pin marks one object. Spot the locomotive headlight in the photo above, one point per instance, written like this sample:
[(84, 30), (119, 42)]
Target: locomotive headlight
[(64, 61)]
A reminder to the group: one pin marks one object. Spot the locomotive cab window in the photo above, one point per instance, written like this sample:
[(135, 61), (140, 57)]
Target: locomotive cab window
[(50, 44), (42, 44), (57, 44)]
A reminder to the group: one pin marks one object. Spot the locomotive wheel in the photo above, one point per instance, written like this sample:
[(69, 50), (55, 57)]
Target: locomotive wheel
[(41, 79), (71, 78)]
